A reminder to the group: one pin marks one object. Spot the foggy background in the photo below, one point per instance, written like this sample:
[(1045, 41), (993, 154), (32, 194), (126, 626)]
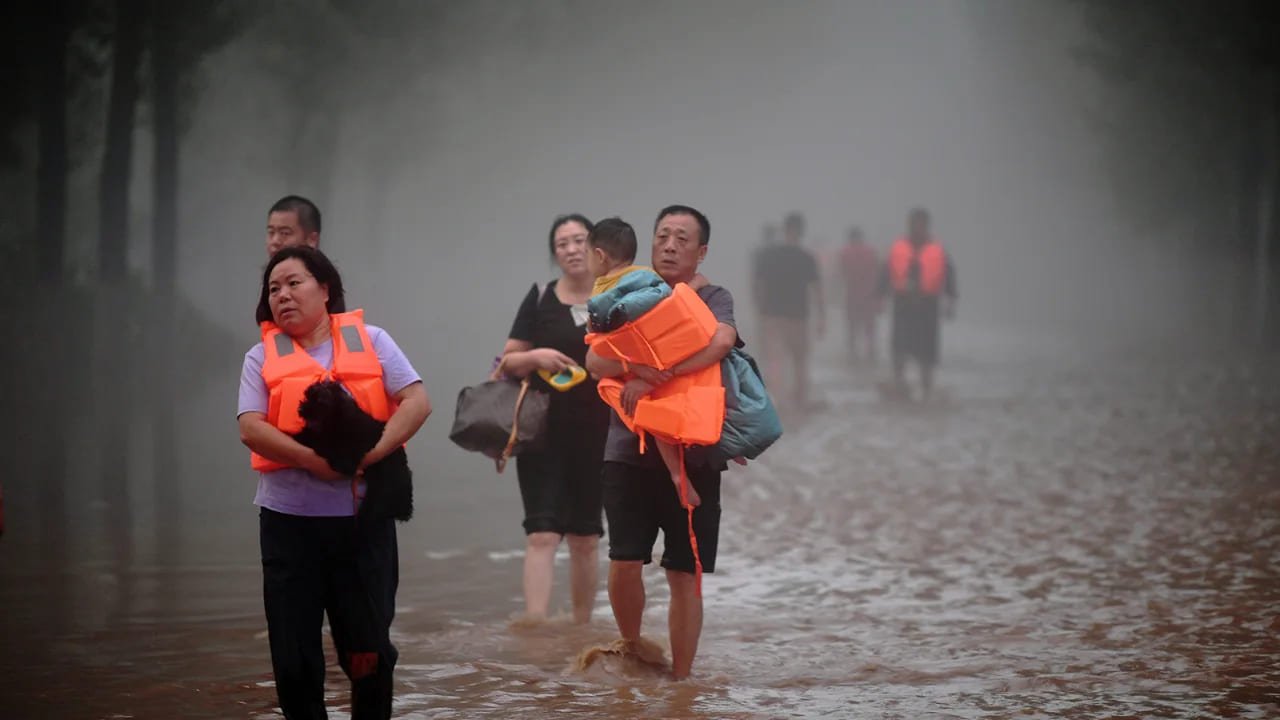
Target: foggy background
[(1103, 177), (440, 139)]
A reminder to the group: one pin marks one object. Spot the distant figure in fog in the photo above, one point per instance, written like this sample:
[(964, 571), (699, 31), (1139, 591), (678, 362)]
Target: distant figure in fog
[(860, 272), (560, 486), (921, 278), (768, 239), (316, 558), (292, 221), (788, 290)]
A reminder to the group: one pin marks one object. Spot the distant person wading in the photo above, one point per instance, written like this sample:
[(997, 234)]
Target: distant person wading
[(860, 272), (788, 290), (921, 278)]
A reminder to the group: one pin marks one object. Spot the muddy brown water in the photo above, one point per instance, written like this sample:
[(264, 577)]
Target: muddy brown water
[(1063, 535)]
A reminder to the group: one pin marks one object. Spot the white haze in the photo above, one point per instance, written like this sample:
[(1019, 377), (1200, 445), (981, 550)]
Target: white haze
[(848, 112)]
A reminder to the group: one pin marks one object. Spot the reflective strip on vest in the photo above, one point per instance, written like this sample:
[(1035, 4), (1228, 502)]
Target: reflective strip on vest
[(289, 370), (351, 337)]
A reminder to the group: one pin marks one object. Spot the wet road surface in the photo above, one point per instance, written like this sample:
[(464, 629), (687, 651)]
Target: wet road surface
[(1064, 534)]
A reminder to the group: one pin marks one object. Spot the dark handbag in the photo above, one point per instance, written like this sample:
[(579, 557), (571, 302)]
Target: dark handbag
[(501, 418)]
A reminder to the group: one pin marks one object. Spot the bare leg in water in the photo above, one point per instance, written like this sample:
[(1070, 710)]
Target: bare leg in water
[(584, 551), (626, 596), (670, 453), (684, 621), (926, 379), (539, 562)]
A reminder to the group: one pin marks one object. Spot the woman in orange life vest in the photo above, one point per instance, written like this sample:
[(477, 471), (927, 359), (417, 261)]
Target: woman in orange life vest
[(560, 486), (316, 558)]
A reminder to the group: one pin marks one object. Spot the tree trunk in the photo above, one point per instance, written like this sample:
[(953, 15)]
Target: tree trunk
[(50, 437), (1267, 188), (53, 163), (164, 237), (113, 192), (113, 317)]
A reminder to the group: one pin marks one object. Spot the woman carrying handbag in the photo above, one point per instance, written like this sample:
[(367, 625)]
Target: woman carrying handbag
[(560, 484)]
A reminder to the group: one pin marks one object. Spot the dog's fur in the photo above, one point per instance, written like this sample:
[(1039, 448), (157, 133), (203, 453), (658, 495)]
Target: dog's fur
[(341, 433)]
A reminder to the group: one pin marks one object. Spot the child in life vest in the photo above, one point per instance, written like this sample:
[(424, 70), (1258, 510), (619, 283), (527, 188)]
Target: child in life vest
[(611, 254)]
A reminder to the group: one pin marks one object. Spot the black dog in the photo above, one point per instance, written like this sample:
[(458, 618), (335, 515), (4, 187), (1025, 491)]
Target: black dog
[(341, 433)]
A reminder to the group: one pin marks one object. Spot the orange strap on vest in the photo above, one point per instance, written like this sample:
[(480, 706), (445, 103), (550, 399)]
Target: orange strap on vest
[(693, 537), (933, 265), (289, 370)]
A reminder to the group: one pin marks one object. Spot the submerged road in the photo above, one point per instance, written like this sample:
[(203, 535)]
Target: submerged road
[(1067, 533)]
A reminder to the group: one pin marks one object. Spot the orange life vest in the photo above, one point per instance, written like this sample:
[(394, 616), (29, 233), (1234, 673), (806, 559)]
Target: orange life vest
[(672, 331), (933, 265), (289, 370), (687, 410)]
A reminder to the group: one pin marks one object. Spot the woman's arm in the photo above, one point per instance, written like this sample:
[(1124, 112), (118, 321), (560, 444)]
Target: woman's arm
[(271, 443), (413, 411), (520, 359)]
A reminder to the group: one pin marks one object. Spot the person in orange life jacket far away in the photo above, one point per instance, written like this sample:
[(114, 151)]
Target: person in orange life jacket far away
[(638, 499), (921, 278), (316, 558), (292, 221)]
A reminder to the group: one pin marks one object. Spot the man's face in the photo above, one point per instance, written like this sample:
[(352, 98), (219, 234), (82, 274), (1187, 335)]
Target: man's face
[(284, 230), (918, 228), (678, 248)]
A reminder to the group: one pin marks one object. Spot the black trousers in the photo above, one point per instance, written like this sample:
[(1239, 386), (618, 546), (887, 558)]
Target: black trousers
[(317, 565)]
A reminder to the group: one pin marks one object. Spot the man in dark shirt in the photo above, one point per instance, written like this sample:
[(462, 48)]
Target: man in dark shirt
[(639, 499), (788, 287)]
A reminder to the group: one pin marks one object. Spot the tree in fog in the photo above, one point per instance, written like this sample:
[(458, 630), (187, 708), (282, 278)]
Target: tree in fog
[(1194, 121)]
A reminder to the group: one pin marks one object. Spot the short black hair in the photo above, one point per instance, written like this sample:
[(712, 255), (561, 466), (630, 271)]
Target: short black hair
[(616, 237), (704, 225), (561, 220), (918, 212), (320, 267), (794, 220), (307, 212)]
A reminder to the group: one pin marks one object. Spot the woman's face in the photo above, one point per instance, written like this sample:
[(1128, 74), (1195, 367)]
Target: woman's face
[(298, 301), (570, 242)]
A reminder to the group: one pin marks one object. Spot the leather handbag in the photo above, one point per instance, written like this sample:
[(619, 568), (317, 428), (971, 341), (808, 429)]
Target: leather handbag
[(501, 418)]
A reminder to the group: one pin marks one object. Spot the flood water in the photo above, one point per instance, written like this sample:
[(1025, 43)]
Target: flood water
[(1065, 534)]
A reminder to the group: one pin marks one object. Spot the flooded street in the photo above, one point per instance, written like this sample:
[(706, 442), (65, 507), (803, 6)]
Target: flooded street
[(1064, 535)]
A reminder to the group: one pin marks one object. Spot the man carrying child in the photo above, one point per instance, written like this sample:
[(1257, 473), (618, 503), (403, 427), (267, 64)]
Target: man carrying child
[(638, 496), (611, 254)]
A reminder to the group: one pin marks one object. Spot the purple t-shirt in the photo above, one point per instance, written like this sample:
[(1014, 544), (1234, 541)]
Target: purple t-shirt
[(294, 491)]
